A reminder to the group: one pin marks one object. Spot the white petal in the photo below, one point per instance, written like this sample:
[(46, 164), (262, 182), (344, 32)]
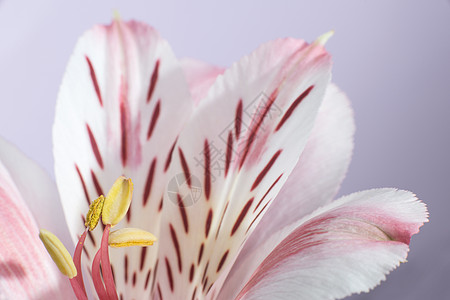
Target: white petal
[(245, 135), (313, 182), (122, 103), (345, 247)]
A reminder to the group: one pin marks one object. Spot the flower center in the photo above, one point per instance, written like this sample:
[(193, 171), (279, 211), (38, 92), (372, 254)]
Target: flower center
[(111, 209)]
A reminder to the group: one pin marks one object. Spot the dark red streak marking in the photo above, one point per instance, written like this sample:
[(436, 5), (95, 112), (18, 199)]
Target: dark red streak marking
[(191, 273), (222, 261), (221, 219), (98, 188), (134, 279), (293, 107), (126, 268), (185, 167), (149, 181), (91, 237), (256, 127), (159, 292), (154, 119), (208, 222), (95, 147), (123, 133), (193, 294), (241, 216), (204, 272), (205, 283), (183, 214), (273, 184), (266, 169), (143, 254), (173, 234), (87, 254), (83, 184), (154, 274), (169, 157), (238, 120), (229, 152), (160, 205), (153, 80), (129, 214), (94, 80), (264, 207), (200, 253), (147, 279), (207, 155), (169, 274)]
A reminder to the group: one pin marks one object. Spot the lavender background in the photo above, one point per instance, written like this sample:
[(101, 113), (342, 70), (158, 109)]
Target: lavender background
[(391, 57)]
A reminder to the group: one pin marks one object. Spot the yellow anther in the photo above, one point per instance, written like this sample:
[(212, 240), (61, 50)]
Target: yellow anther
[(127, 237), (58, 253), (117, 201), (94, 213)]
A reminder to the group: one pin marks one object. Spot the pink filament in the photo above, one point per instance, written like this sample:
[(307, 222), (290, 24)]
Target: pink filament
[(77, 261), (77, 289), (106, 266), (97, 278)]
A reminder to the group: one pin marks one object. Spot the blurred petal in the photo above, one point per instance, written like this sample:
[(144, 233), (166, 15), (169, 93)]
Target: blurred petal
[(345, 247), (232, 158), (26, 269), (313, 182), (200, 77), (38, 191), (122, 103)]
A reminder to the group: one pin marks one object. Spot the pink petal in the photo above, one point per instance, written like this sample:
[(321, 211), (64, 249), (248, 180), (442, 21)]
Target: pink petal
[(245, 135), (313, 182), (200, 77), (26, 269), (345, 247), (122, 103)]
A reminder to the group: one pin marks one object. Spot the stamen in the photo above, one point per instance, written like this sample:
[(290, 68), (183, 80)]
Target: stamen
[(117, 201), (58, 253), (77, 261), (94, 213), (127, 237), (97, 278), (106, 266)]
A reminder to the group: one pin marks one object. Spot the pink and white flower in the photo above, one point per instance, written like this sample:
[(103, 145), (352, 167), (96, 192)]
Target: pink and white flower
[(264, 145)]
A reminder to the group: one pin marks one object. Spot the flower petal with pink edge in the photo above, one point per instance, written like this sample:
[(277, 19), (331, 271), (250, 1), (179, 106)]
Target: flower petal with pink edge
[(343, 248), (38, 191), (232, 158), (200, 77), (122, 103), (26, 269), (312, 184)]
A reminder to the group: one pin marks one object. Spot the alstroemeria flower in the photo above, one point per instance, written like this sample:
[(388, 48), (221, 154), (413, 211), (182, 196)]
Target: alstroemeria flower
[(234, 172)]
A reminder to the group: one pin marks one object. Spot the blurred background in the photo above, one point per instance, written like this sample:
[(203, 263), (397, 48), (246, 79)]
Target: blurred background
[(392, 58)]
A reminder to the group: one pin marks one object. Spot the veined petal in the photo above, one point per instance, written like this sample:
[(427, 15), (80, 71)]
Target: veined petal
[(122, 103), (200, 77), (232, 158), (312, 184), (26, 269), (38, 190), (345, 247)]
